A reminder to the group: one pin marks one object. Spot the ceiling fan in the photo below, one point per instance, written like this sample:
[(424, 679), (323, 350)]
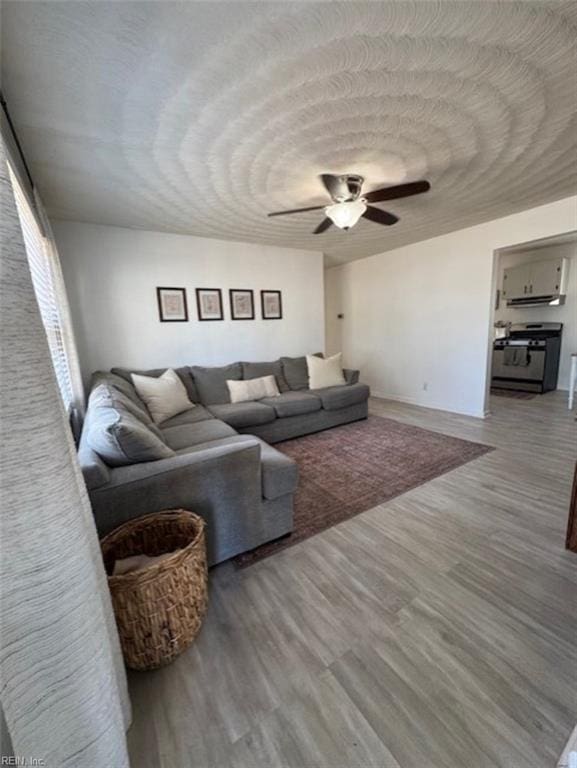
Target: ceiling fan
[(348, 205)]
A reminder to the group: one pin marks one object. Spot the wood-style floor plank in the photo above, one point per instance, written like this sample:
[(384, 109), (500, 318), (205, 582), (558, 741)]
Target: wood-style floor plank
[(438, 629), (324, 727)]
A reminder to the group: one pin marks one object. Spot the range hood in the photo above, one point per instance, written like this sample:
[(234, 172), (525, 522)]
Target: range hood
[(552, 300), (536, 283)]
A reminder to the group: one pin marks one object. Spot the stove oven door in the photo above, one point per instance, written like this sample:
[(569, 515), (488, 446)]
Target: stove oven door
[(534, 371)]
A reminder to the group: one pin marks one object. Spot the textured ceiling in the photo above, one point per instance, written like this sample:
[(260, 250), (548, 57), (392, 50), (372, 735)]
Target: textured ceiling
[(200, 117)]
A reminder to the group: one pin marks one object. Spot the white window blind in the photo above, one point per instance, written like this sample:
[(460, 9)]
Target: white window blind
[(45, 271)]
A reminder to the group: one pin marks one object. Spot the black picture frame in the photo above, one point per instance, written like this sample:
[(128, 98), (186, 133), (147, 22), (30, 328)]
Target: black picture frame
[(199, 292), (231, 296), (162, 309), (264, 315)]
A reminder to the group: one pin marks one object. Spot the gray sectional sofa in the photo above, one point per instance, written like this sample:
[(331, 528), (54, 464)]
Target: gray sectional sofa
[(216, 458)]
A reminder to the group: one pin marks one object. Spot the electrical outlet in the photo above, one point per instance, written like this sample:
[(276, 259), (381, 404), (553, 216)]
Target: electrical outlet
[(425, 385)]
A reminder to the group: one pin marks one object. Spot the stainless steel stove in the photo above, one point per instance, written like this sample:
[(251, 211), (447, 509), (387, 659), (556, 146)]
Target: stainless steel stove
[(528, 358)]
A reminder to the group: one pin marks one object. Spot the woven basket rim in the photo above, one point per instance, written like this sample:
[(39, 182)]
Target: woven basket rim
[(152, 570)]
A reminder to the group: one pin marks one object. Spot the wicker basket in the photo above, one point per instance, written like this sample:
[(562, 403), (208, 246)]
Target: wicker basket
[(159, 609)]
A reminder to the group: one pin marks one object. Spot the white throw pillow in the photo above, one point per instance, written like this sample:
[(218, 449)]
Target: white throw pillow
[(164, 396), (325, 371), (252, 389)]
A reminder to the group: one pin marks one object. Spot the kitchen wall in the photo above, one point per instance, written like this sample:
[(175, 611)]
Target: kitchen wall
[(418, 319), (111, 274), (566, 314)]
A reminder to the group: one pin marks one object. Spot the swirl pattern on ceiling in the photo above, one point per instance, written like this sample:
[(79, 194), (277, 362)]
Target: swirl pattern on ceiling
[(199, 118)]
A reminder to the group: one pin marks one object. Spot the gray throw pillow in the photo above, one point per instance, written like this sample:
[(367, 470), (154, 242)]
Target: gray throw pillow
[(106, 396), (258, 370), (296, 372), (118, 383), (119, 438), (211, 382), (184, 374)]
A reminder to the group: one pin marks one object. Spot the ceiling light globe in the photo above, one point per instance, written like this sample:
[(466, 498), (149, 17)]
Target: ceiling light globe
[(346, 215)]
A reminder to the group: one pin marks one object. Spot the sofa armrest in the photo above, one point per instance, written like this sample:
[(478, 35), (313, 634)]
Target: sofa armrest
[(185, 461), (94, 470), (221, 482), (351, 376)]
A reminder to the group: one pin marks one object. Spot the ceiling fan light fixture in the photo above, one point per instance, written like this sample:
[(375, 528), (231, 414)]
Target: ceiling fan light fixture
[(346, 215)]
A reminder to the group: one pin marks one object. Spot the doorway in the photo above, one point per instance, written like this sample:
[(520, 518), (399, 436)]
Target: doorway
[(534, 328)]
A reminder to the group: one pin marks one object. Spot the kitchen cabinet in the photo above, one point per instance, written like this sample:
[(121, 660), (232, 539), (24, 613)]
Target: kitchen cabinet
[(545, 277), (515, 281), (533, 278)]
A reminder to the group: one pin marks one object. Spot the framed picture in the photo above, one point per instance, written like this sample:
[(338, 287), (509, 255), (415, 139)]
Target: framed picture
[(241, 304), (271, 305), (209, 303), (172, 307)]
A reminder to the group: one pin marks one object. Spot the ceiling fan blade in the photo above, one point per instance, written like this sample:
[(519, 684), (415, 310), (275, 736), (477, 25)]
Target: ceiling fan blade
[(323, 226), (380, 217), (400, 190), (297, 210)]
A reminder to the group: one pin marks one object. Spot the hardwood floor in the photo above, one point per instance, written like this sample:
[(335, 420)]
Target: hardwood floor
[(438, 630)]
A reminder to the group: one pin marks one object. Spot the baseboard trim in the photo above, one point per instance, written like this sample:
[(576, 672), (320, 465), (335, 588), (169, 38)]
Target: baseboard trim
[(432, 406)]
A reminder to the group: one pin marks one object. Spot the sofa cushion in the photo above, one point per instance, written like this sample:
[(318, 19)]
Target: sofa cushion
[(325, 372), (279, 472), (120, 438), (198, 413), (334, 398), (211, 382), (247, 390), (351, 375), (165, 396), (257, 370), (243, 414), (293, 403), (296, 372), (106, 395), (183, 373), (189, 435), (119, 383)]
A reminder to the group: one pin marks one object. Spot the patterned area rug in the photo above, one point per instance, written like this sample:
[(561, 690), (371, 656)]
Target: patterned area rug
[(514, 394), (349, 469)]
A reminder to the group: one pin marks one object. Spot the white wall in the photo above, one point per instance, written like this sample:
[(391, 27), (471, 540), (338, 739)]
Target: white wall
[(566, 314), (422, 315), (111, 275)]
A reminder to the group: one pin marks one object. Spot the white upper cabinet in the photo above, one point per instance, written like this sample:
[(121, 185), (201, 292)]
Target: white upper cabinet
[(534, 278), (515, 281), (545, 277)]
